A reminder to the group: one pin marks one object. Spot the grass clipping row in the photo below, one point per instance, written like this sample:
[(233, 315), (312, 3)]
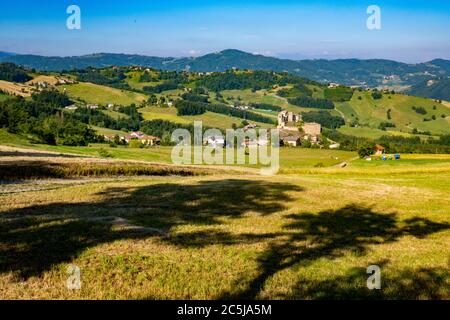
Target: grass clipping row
[(39, 169)]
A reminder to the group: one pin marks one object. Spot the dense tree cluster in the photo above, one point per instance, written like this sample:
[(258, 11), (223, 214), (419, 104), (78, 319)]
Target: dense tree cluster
[(195, 97), (307, 102), (376, 95), (161, 87), (384, 125), (324, 118), (419, 110), (43, 117), (232, 80), (131, 120), (112, 77), (13, 73), (190, 108), (186, 107)]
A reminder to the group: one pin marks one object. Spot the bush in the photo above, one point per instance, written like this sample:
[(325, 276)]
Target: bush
[(366, 150), (376, 95), (104, 154)]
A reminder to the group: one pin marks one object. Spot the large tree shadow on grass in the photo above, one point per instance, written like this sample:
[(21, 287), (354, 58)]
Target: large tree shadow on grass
[(420, 283), (331, 234), (34, 239)]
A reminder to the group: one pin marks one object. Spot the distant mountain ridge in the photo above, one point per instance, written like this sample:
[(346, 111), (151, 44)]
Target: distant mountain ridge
[(372, 73)]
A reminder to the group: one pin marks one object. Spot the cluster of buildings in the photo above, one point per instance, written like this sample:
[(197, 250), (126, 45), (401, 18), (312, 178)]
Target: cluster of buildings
[(137, 136), (293, 131)]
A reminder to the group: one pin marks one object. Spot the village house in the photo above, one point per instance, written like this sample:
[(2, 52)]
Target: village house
[(215, 141), (292, 141), (137, 135), (92, 106), (43, 85), (311, 131), (61, 81), (250, 126), (71, 107), (333, 85), (150, 140)]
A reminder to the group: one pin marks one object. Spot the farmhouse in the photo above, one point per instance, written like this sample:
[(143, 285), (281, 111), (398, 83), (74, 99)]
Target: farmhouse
[(333, 85), (150, 140), (137, 135), (215, 141), (312, 131), (292, 141)]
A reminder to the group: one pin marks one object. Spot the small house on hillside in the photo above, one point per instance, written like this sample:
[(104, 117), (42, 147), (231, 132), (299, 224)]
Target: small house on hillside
[(215, 141), (292, 141), (312, 129), (150, 140)]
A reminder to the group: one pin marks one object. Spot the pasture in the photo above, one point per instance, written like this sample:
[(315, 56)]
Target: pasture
[(93, 93), (141, 228), (230, 235)]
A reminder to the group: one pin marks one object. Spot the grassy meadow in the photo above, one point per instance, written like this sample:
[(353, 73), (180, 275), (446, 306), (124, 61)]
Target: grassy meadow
[(93, 93), (139, 228), (308, 236), (371, 113)]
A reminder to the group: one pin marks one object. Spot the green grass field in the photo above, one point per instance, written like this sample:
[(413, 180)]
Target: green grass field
[(93, 93), (228, 236), (371, 133), (309, 232), (210, 119), (371, 112), (3, 97)]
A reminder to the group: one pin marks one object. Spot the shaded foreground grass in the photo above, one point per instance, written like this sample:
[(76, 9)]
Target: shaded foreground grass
[(228, 237)]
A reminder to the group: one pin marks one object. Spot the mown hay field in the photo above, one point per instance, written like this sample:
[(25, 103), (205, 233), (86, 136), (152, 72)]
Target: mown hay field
[(230, 234)]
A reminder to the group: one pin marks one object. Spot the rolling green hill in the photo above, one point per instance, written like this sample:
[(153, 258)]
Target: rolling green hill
[(367, 112), (93, 93)]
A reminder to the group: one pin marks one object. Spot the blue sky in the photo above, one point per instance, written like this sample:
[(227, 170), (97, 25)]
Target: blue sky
[(412, 31)]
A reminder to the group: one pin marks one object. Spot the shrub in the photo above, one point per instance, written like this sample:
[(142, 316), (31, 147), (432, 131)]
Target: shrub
[(366, 150)]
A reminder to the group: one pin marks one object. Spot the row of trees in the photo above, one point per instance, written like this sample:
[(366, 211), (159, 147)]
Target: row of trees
[(324, 118), (191, 108), (231, 80), (308, 102)]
